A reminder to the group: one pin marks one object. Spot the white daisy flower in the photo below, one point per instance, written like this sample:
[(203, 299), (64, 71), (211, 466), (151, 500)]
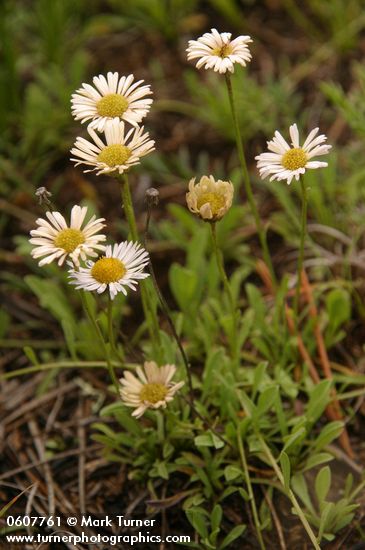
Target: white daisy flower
[(218, 52), (118, 154), (285, 162), (209, 199), (54, 239), (122, 266), (152, 388), (109, 98)]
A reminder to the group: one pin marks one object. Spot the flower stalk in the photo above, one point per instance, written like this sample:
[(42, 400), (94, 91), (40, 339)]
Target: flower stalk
[(246, 180), (147, 302), (303, 231), (93, 321), (225, 281)]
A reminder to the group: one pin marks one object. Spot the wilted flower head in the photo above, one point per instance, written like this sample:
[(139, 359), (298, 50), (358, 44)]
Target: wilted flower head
[(217, 51), (118, 154), (122, 266), (150, 389), (54, 239), (284, 162), (43, 195), (210, 199), (109, 98)]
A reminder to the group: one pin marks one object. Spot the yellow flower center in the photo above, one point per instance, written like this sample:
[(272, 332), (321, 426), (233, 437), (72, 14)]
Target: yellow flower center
[(216, 201), (294, 159), (114, 155), (69, 239), (153, 393), (108, 270), (223, 51), (112, 105)]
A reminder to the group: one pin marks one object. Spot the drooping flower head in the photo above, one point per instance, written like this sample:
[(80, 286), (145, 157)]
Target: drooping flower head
[(150, 389), (118, 154), (209, 199), (285, 162), (217, 51), (121, 267), (109, 98), (55, 240)]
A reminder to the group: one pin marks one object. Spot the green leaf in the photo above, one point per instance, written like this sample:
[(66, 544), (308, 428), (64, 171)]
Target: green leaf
[(316, 460), (330, 432), (183, 283), (299, 486), (69, 335), (348, 484), (325, 519), (256, 302), (338, 305), (285, 468), (216, 517), (52, 298), (232, 535), (258, 377), (7, 506), (343, 521), (128, 422), (248, 404), (162, 470), (323, 483), (30, 354), (318, 401), (266, 400), (208, 440), (198, 519), (213, 366), (232, 472), (294, 438)]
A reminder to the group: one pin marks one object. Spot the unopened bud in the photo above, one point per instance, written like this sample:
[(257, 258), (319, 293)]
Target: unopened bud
[(152, 196), (43, 195)]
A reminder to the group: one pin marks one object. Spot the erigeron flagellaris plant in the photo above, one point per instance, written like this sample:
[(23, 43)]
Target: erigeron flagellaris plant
[(114, 107)]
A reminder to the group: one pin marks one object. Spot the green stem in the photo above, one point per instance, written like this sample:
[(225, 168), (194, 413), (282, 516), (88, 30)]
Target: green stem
[(303, 230), (128, 208), (111, 336), (147, 303), (250, 492), (222, 272), (51, 366), (106, 351), (247, 183), (160, 427), (289, 493)]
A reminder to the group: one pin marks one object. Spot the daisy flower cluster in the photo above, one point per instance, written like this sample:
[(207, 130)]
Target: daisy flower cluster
[(108, 106), (218, 51), (111, 103)]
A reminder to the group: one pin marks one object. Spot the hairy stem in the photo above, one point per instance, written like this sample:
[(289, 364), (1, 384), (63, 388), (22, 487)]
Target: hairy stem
[(303, 230), (147, 303), (247, 183), (93, 321), (222, 272), (111, 336)]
